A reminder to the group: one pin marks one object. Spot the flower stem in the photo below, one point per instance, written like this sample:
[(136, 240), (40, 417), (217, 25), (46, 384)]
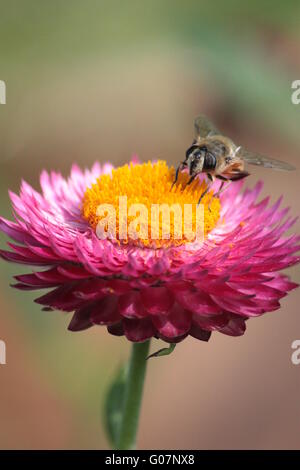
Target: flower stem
[(133, 395)]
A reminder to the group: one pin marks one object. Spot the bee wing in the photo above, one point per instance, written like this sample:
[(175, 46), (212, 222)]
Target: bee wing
[(203, 127), (261, 160)]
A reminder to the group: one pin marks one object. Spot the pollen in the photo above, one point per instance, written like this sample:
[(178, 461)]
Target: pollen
[(137, 205)]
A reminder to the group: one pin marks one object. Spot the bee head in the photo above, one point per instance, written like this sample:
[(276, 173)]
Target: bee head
[(195, 156)]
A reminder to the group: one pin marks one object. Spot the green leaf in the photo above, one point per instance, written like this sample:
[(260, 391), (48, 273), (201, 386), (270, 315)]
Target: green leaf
[(113, 407), (163, 351)]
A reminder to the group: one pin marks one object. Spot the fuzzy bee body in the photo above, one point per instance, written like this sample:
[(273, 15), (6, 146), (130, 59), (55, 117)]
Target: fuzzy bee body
[(218, 157), (210, 162)]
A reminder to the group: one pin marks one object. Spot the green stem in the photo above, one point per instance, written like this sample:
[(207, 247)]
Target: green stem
[(133, 395)]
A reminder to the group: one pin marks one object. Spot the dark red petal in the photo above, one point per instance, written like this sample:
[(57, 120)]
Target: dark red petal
[(199, 333), (210, 323), (236, 326), (52, 275), (116, 329), (118, 286), (16, 258), (198, 302), (178, 339), (22, 286), (81, 319), (34, 280), (138, 330), (176, 323), (91, 289), (130, 305), (61, 298), (244, 307), (157, 300), (73, 272), (105, 311)]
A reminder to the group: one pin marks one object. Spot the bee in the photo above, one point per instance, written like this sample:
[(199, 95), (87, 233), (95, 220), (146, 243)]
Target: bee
[(218, 157)]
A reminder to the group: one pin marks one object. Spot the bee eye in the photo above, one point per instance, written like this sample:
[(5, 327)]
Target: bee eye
[(197, 153), (189, 151), (200, 152)]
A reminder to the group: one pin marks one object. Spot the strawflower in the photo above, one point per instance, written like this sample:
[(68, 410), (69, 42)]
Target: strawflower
[(143, 287)]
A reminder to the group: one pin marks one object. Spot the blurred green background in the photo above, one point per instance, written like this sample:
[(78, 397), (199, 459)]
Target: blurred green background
[(102, 80)]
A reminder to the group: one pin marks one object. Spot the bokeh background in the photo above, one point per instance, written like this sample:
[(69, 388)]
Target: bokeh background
[(102, 80)]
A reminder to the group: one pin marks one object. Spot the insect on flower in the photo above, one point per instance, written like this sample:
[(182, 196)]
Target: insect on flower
[(145, 287), (148, 287), (217, 156)]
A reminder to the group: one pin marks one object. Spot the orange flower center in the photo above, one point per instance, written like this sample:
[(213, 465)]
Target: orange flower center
[(137, 205)]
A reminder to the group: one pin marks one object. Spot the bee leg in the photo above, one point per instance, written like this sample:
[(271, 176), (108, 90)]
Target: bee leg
[(221, 190), (191, 179), (211, 178), (203, 194), (239, 176), (180, 166)]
